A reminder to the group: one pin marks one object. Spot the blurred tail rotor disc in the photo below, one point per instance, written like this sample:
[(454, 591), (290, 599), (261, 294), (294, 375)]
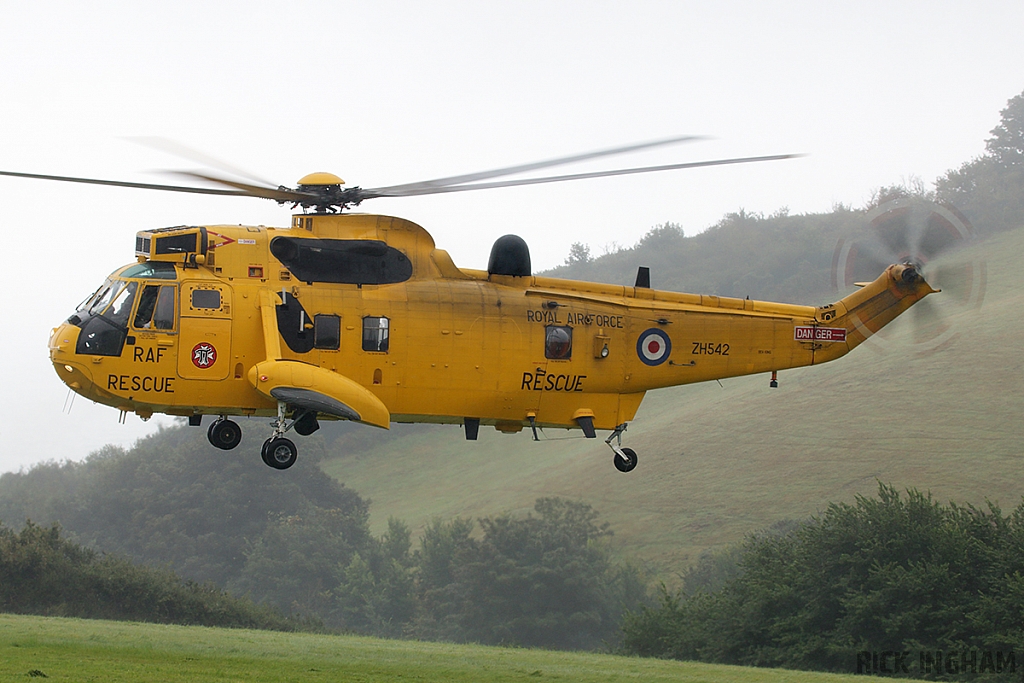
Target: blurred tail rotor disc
[(930, 235)]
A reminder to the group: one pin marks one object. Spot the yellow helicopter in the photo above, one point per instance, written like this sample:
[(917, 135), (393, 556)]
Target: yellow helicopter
[(350, 316)]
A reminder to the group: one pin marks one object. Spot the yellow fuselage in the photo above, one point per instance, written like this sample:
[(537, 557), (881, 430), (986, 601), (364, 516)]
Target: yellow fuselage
[(442, 345)]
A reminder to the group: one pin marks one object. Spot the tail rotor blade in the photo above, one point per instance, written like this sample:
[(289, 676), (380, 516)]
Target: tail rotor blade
[(929, 324)]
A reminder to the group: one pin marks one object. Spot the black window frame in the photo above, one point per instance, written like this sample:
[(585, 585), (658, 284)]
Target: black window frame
[(203, 292), (376, 343), (327, 332)]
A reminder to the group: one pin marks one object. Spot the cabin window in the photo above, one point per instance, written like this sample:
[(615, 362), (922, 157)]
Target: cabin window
[(327, 332), (375, 334), (205, 298), (558, 342)]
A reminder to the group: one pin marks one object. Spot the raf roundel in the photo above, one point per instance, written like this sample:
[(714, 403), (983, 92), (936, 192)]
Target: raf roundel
[(653, 347), (203, 355)]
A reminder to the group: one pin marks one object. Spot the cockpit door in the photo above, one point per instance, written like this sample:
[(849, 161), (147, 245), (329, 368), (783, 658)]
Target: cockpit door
[(204, 350), (152, 336)]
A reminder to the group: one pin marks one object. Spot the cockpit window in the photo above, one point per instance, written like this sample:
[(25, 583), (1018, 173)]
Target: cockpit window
[(121, 307), (156, 308), (163, 318), (147, 304), (151, 270), (87, 303), (104, 323), (102, 300)]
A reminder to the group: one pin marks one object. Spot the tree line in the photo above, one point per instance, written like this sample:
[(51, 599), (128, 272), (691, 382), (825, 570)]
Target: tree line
[(300, 545), (787, 257)]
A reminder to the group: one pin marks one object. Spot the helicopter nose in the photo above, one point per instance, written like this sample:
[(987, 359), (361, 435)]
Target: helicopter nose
[(69, 367)]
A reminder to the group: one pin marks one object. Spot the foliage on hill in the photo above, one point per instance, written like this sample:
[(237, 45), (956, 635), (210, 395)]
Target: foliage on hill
[(892, 574), (174, 501), (785, 257), (778, 258), (541, 581), (43, 573), (299, 542), (990, 188)]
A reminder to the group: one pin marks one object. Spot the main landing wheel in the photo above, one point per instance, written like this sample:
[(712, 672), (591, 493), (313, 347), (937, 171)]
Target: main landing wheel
[(280, 453), (224, 434), (627, 463)]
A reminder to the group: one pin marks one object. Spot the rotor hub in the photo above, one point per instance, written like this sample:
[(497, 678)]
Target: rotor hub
[(320, 178)]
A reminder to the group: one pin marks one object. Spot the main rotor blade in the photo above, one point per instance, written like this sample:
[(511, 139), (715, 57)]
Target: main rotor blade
[(484, 175), (281, 194), (407, 191), (120, 183), (178, 149)]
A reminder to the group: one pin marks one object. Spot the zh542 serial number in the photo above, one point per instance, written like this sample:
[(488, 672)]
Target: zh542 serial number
[(710, 349)]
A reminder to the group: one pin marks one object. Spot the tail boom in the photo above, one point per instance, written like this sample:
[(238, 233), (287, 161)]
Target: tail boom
[(875, 305)]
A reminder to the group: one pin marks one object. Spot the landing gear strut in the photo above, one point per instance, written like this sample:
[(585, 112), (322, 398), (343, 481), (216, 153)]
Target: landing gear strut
[(279, 452), (224, 434), (625, 458)]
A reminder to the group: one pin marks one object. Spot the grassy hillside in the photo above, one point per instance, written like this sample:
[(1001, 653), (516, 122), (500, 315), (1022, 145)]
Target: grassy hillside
[(77, 650), (717, 462)]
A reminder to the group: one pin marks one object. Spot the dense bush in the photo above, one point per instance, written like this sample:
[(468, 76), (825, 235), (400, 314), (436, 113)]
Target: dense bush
[(887, 574), (43, 573), (542, 581)]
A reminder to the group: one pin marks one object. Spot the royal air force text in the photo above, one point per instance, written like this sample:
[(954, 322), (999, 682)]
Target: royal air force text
[(552, 318)]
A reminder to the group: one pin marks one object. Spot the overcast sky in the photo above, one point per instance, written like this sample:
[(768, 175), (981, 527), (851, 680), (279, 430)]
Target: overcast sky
[(389, 92)]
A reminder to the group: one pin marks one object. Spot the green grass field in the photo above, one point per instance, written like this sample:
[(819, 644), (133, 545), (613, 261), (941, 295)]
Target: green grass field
[(81, 650), (717, 462)]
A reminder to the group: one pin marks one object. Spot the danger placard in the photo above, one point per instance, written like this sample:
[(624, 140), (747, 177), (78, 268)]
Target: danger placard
[(821, 334)]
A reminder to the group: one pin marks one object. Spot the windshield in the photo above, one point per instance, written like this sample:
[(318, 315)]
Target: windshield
[(97, 302), (106, 294), (104, 316), (117, 312), (94, 298)]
